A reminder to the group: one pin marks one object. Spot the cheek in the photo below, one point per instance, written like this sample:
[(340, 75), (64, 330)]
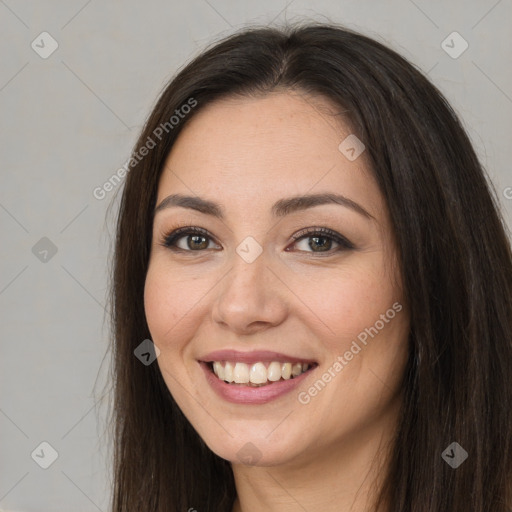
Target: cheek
[(157, 301), (168, 322), (163, 306), (172, 289), (175, 305), (348, 301)]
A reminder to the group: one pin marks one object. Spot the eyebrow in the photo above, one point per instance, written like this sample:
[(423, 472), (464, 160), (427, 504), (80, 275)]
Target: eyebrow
[(279, 209)]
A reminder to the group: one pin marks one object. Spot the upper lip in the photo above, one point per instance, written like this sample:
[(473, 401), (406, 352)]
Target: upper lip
[(252, 357)]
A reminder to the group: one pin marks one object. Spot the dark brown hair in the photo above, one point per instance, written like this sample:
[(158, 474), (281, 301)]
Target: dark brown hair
[(455, 262)]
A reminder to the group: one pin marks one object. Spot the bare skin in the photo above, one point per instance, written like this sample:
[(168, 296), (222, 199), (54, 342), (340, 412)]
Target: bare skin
[(314, 450)]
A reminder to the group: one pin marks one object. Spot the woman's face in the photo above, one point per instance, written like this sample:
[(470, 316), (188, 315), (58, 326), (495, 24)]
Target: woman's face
[(261, 293)]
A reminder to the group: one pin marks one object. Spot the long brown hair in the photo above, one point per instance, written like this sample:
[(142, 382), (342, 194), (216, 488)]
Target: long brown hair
[(455, 259)]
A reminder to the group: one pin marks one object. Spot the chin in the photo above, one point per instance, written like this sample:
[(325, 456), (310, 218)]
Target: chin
[(255, 450)]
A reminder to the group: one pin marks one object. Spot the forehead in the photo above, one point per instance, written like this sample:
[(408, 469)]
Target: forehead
[(262, 149)]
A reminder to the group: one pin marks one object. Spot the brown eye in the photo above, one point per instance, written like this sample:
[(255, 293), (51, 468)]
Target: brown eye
[(320, 240), (197, 242), (322, 243), (196, 239)]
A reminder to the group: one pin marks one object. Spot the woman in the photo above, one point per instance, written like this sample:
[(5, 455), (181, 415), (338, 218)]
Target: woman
[(307, 237)]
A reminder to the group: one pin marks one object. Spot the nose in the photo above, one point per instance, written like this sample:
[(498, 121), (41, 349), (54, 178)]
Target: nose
[(250, 298)]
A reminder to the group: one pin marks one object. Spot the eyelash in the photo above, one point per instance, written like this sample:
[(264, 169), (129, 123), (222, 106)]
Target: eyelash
[(170, 239)]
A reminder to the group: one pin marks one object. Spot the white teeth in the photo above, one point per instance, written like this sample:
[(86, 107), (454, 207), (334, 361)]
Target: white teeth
[(273, 371), (228, 372), (286, 371), (258, 373), (241, 373), (296, 369), (219, 370)]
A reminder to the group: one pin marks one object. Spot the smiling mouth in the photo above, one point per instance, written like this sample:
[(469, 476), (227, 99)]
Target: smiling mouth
[(257, 374)]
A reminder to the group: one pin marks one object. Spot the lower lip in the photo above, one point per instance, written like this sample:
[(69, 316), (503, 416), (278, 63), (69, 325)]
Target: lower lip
[(240, 394)]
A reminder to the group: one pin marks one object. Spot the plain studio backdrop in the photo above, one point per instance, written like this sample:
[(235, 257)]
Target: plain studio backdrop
[(77, 79)]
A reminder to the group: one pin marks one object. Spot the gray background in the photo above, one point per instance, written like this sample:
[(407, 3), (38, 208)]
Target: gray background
[(68, 122)]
